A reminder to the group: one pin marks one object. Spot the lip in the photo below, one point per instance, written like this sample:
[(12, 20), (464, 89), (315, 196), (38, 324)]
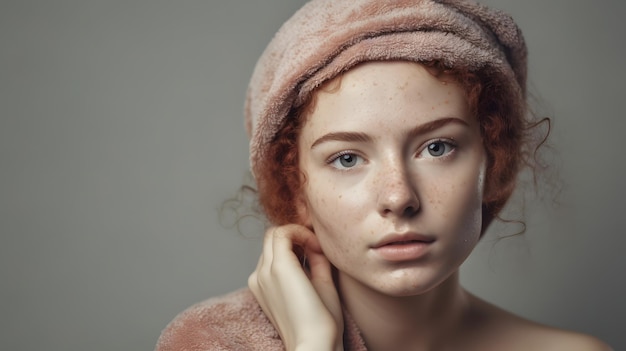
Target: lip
[(396, 238), (402, 247)]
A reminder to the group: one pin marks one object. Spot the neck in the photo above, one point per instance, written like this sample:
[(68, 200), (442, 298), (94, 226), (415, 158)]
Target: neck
[(421, 322)]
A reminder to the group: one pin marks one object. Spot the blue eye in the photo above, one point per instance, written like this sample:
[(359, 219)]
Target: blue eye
[(346, 160), (438, 148)]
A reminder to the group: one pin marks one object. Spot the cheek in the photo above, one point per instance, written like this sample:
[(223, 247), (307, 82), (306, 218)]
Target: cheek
[(333, 203), (468, 209), (320, 195), (457, 202), (335, 215)]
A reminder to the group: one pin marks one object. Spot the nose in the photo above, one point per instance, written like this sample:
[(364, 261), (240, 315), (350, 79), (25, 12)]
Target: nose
[(397, 194)]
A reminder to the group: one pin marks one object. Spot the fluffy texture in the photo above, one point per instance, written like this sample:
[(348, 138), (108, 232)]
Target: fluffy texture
[(233, 322), (327, 37)]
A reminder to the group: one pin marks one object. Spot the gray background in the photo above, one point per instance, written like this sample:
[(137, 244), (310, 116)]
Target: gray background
[(121, 133)]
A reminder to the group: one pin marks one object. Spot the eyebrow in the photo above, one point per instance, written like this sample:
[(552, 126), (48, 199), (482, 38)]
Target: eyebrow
[(434, 125), (343, 136), (364, 138)]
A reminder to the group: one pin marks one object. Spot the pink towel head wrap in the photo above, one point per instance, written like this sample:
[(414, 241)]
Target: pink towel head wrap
[(327, 37)]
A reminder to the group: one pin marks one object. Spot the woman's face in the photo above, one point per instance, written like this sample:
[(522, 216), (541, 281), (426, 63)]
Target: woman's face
[(394, 167)]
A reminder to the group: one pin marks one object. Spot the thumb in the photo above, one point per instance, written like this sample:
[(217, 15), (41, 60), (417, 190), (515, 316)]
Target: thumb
[(321, 276)]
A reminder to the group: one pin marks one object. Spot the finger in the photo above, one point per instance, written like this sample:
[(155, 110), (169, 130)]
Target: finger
[(319, 266), (255, 286), (268, 247), (253, 278), (256, 278), (289, 236), (321, 272)]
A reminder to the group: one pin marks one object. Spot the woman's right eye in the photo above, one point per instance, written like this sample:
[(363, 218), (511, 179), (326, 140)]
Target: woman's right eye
[(346, 160)]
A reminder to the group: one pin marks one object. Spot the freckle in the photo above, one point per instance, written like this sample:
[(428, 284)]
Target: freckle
[(340, 196)]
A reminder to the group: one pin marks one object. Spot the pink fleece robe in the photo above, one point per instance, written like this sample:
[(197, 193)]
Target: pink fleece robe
[(233, 322)]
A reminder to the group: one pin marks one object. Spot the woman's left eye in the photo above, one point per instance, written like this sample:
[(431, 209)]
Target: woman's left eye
[(437, 148)]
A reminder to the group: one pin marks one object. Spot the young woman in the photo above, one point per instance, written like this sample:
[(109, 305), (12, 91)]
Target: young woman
[(385, 138)]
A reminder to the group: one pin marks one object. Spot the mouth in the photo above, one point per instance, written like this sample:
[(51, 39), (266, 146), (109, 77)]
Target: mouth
[(403, 239), (403, 247), (404, 242)]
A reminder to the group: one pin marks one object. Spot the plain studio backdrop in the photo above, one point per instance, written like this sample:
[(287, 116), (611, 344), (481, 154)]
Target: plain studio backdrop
[(121, 133)]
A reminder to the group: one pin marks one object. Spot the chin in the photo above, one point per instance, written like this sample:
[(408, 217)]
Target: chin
[(407, 284), (407, 291)]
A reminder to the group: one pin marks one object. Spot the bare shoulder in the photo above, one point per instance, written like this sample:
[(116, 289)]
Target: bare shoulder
[(552, 339), (502, 330)]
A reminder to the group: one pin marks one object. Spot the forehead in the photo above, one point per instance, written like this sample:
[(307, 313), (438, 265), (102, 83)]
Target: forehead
[(377, 93)]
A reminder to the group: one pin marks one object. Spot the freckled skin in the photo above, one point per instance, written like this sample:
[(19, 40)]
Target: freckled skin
[(351, 209)]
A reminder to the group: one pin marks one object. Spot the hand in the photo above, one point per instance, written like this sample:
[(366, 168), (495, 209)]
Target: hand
[(302, 303)]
